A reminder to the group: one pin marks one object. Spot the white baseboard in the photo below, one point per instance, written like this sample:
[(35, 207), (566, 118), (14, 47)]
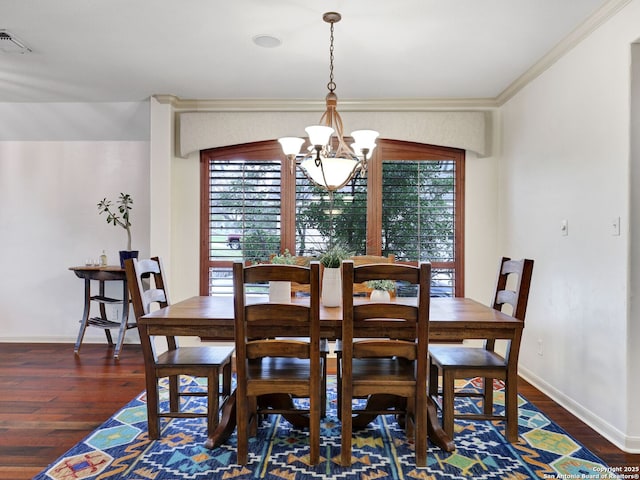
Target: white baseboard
[(629, 444), (70, 340)]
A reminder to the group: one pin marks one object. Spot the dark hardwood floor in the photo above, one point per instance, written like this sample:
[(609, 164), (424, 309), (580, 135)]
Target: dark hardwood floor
[(51, 399)]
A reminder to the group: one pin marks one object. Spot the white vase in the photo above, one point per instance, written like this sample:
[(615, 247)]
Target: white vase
[(331, 287), (280, 292), (380, 296)]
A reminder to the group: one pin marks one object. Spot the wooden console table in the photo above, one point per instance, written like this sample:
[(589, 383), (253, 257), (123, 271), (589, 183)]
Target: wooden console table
[(103, 274)]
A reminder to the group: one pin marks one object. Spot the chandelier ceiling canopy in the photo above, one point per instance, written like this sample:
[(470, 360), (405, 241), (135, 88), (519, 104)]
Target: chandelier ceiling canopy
[(330, 163)]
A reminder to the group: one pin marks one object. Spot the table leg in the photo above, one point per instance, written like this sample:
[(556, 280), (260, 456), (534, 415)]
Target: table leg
[(85, 315), (227, 423), (435, 431), (103, 312), (124, 319)]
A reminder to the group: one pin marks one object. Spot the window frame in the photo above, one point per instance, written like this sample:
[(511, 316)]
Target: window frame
[(391, 150)]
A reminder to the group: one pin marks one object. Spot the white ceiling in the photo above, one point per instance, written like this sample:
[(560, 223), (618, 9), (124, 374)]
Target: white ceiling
[(123, 50)]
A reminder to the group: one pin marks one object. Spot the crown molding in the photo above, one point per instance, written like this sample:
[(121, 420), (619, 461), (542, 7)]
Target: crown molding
[(346, 105), (600, 16)]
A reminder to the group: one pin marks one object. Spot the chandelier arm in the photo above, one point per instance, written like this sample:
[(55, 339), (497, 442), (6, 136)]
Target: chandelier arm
[(340, 134)]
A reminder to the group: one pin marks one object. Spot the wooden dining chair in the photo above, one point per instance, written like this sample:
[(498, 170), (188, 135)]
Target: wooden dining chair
[(383, 353), (298, 289), (147, 286), (282, 367), (464, 362), (360, 289)]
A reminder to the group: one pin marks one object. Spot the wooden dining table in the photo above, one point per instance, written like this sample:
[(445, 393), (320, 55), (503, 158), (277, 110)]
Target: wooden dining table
[(451, 319)]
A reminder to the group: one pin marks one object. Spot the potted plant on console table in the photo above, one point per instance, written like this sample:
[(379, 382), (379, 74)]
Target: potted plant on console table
[(120, 218)]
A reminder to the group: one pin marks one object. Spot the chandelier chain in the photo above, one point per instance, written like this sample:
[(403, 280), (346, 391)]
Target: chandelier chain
[(331, 85)]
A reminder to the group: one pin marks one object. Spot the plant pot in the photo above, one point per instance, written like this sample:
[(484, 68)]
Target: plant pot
[(331, 287), (126, 254), (280, 292), (380, 296)]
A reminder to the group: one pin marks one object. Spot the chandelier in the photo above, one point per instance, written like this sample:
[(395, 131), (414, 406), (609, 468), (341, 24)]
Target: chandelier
[(330, 163)]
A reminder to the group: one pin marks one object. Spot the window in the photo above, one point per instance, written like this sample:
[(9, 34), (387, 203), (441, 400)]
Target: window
[(410, 204), (320, 217)]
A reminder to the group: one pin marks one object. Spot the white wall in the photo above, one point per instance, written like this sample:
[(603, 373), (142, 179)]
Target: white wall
[(565, 155), (49, 221)]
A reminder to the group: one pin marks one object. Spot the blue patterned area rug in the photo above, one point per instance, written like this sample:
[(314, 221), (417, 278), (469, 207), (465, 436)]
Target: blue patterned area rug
[(120, 449)]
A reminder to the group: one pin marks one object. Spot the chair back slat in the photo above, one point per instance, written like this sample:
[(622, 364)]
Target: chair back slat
[(387, 348), (266, 272), (154, 295), (145, 279), (359, 286), (277, 348), (287, 314), (513, 285)]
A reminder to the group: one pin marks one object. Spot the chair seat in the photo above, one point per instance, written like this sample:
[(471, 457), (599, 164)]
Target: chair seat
[(465, 357), (196, 356)]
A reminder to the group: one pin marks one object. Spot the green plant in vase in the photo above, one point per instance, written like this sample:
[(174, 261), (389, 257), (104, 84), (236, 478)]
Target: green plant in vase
[(382, 285), (333, 257), (331, 280), (120, 215), (380, 290), (284, 259)]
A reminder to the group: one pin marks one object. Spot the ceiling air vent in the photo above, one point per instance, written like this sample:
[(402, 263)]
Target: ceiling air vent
[(10, 44)]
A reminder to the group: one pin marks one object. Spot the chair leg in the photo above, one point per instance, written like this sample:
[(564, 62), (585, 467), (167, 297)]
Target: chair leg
[(448, 396), (487, 385), (153, 420), (252, 416), (410, 417), (347, 426), (511, 407), (242, 420), (339, 384), (314, 426), (421, 428), (174, 393), (213, 396), (226, 380)]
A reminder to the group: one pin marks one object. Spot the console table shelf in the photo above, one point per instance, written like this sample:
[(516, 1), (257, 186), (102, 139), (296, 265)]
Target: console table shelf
[(102, 275)]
